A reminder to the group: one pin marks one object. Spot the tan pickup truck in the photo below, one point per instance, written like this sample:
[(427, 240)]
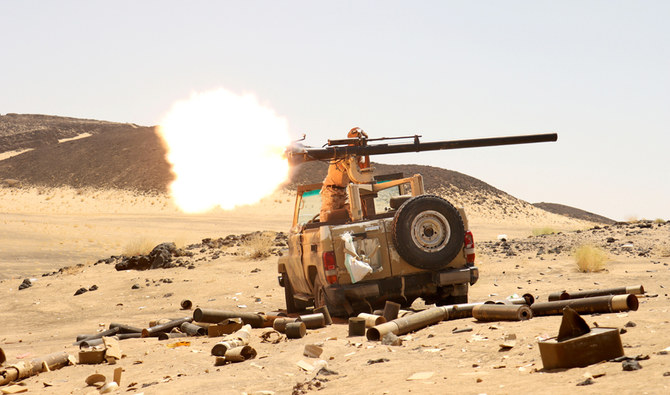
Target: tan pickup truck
[(395, 243)]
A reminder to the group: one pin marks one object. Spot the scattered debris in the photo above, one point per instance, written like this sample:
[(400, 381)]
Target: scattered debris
[(631, 365), (379, 360), (25, 284)]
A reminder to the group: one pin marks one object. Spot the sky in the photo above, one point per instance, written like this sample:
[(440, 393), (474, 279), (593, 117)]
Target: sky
[(595, 72)]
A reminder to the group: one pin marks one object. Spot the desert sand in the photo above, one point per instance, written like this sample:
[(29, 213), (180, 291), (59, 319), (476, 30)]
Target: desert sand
[(46, 229)]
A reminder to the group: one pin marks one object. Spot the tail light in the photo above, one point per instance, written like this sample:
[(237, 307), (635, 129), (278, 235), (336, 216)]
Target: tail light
[(469, 248), (330, 266)]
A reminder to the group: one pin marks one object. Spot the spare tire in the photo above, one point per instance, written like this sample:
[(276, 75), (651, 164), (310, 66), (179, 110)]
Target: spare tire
[(428, 232)]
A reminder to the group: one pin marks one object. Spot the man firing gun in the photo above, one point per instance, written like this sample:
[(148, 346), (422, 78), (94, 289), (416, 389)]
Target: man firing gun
[(334, 190)]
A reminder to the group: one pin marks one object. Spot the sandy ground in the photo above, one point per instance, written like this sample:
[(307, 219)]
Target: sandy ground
[(43, 230)]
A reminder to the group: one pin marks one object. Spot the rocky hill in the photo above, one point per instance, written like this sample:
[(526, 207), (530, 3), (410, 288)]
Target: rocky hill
[(127, 156)]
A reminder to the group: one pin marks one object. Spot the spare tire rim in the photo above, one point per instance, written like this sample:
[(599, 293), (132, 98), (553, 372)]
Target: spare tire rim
[(430, 231)]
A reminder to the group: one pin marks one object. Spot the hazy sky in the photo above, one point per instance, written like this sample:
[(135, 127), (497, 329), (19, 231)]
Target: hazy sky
[(595, 72)]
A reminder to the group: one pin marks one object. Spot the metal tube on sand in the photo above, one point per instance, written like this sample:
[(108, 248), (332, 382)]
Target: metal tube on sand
[(564, 295), (596, 304), (409, 323), (215, 316), (502, 312), (236, 339), (152, 331)]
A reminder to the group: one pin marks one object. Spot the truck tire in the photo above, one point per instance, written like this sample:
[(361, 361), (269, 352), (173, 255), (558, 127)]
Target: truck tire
[(428, 232)]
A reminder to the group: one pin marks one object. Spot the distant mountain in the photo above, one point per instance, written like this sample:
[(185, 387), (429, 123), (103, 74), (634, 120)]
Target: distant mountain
[(128, 156), (573, 212)]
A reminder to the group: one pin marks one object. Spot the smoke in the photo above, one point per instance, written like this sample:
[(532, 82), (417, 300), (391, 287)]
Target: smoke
[(225, 149)]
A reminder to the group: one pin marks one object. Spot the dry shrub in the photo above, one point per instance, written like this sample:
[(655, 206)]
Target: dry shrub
[(590, 258), (138, 247), (543, 231), (259, 246)]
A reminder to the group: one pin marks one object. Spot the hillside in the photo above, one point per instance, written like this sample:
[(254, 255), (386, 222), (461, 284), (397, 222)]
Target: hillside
[(126, 156)]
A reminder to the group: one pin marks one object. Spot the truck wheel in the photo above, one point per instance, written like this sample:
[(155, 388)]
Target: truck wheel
[(428, 232), (288, 294)]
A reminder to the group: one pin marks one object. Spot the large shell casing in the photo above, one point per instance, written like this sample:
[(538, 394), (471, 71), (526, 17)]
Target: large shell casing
[(280, 323), (295, 330), (407, 324), (501, 312), (564, 295), (326, 314), (236, 339), (372, 319), (212, 316), (591, 305), (154, 330), (313, 321)]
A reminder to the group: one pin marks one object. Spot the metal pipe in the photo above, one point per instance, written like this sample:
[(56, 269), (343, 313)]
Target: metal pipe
[(92, 342), (99, 335), (186, 304), (159, 321), (280, 323), (147, 332), (25, 369), (236, 339), (169, 335), (501, 312), (596, 304), (295, 330), (240, 354), (371, 319), (313, 321), (391, 310), (564, 295), (192, 329), (124, 336), (123, 328), (409, 323), (215, 316)]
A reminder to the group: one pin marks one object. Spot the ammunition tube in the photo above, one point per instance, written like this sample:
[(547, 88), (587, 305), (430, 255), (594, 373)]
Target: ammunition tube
[(527, 299), (108, 332), (295, 330), (192, 329), (123, 328), (158, 321), (280, 323), (326, 314), (371, 319), (313, 321), (124, 336), (590, 305), (356, 326), (496, 312), (563, 295), (147, 332), (169, 335), (391, 310), (464, 310), (240, 354), (378, 312), (2, 356), (31, 368), (409, 323), (237, 339), (186, 304), (212, 316)]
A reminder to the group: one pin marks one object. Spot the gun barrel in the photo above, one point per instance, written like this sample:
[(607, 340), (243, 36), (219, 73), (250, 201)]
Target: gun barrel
[(379, 149)]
